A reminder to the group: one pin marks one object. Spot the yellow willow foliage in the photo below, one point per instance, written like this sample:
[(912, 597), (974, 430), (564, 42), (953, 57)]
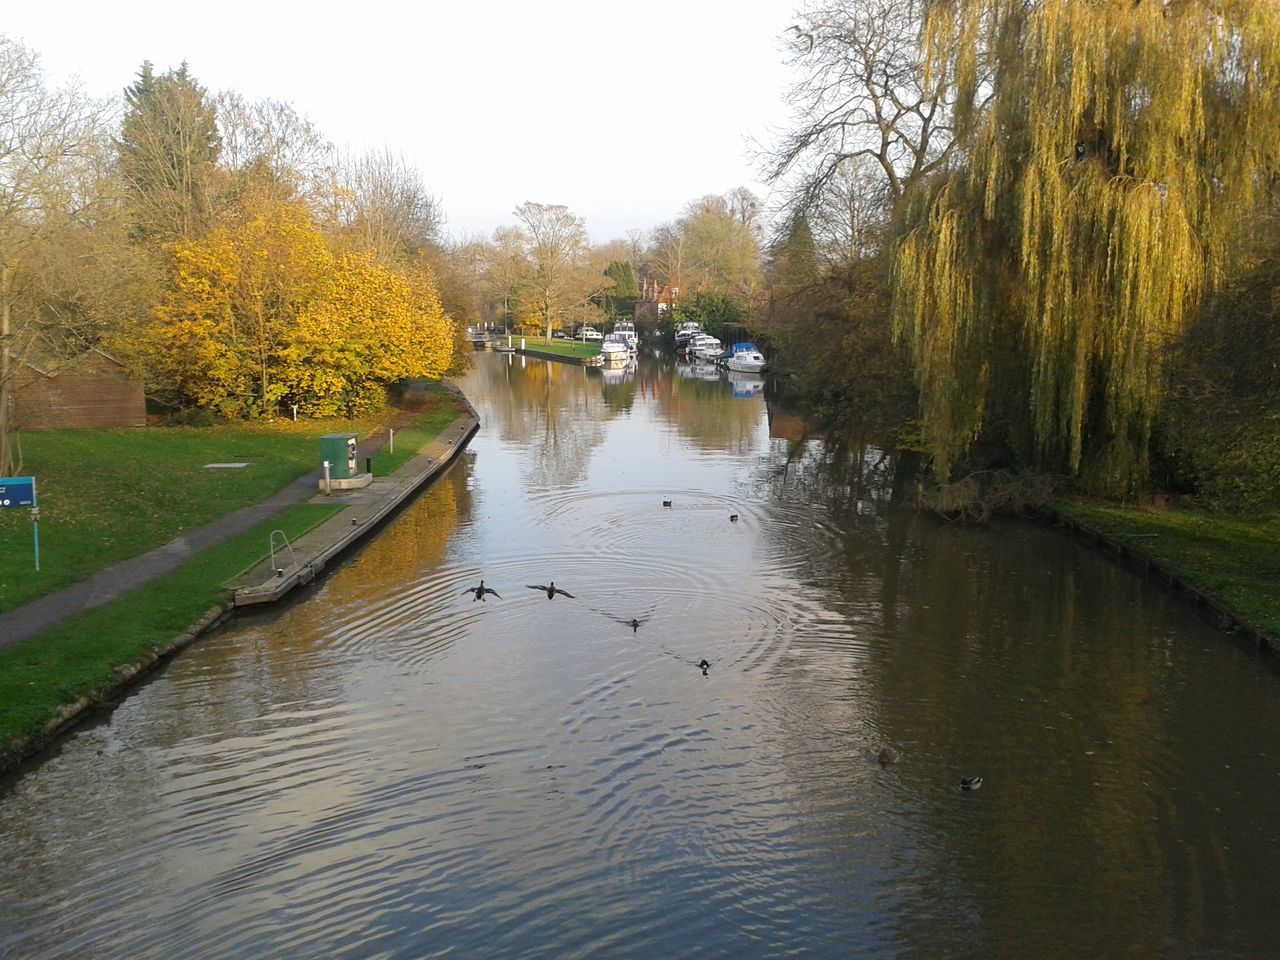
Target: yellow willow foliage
[(1112, 152)]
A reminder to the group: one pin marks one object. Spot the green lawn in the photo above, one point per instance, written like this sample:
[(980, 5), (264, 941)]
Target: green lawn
[(76, 659), (107, 495), (562, 348), (412, 438), (1236, 559)]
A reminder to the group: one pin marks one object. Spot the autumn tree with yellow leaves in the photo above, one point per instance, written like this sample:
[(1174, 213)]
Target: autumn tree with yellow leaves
[(261, 312)]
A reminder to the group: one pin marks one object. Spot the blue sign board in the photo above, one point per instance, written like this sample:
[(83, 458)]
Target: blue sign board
[(17, 491)]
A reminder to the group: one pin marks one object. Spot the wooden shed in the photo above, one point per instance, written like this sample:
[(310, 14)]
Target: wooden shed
[(92, 391)]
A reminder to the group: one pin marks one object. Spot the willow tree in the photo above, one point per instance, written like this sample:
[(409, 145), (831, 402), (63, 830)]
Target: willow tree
[(1111, 151)]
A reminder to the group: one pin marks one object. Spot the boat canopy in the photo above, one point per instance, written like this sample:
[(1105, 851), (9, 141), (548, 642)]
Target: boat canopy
[(745, 348)]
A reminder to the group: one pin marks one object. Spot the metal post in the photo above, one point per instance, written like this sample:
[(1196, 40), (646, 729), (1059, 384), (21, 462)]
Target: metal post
[(328, 484), (368, 464), (295, 412), (35, 532), (393, 440)]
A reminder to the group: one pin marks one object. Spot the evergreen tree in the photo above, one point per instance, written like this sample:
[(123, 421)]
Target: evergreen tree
[(625, 286), (168, 148), (795, 264)]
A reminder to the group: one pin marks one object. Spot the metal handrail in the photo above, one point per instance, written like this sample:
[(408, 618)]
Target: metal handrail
[(293, 561)]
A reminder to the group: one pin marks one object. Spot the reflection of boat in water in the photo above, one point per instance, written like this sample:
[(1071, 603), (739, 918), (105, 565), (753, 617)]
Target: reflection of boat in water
[(746, 384), (745, 358), (614, 375), (698, 371)]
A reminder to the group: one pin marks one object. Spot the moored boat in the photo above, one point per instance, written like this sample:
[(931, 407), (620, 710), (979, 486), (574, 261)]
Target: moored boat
[(627, 330), (615, 349), (745, 358), (685, 333), (704, 347)]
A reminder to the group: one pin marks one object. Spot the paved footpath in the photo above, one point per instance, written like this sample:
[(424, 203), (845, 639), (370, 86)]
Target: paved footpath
[(47, 612)]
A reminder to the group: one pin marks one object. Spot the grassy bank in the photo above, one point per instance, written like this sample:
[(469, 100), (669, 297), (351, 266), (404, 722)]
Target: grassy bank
[(107, 495), (438, 412), (77, 659), (562, 348), (1235, 559)]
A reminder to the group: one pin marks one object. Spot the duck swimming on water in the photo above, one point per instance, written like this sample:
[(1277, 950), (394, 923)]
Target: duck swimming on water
[(970, 783), (480, 591), (550, 590)]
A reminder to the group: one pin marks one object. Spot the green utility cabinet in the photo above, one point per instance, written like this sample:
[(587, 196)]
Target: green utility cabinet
[(340, 450)]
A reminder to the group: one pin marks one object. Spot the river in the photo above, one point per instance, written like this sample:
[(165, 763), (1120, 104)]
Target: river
[(386, 767)]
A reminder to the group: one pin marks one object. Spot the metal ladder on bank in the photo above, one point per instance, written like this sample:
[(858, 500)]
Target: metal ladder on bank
[(293, 561)]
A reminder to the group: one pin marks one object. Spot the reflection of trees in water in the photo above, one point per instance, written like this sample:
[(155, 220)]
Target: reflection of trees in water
[(707, 413), (1015, 660), (835, 472), (413, 542), (555, 410), (1008, 652), (850, 487)]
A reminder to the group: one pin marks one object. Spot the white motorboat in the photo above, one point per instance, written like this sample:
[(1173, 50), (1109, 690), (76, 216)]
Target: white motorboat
[(615, 349), (745, 358), (703, 347), (685, 333), (627, 330)]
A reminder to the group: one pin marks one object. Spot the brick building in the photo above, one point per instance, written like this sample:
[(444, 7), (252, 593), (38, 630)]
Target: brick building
[(91, 392)]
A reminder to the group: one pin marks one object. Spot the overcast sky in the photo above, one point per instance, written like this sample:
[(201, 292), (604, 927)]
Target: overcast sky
[(622, 112)]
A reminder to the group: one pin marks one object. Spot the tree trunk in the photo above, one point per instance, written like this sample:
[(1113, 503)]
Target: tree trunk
[(7, 465)]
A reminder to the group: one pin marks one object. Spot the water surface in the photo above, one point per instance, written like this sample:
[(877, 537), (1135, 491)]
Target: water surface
[(388, 768)]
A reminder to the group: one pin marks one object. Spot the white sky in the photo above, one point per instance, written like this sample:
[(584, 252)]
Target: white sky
[(624, 112)]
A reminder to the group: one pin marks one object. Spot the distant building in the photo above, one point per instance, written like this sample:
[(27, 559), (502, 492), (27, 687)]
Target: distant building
[(656, 299), (92, 391)]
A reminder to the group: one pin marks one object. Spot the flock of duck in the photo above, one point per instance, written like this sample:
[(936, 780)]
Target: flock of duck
[(480, 592), (885, 757), (549, 589)]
